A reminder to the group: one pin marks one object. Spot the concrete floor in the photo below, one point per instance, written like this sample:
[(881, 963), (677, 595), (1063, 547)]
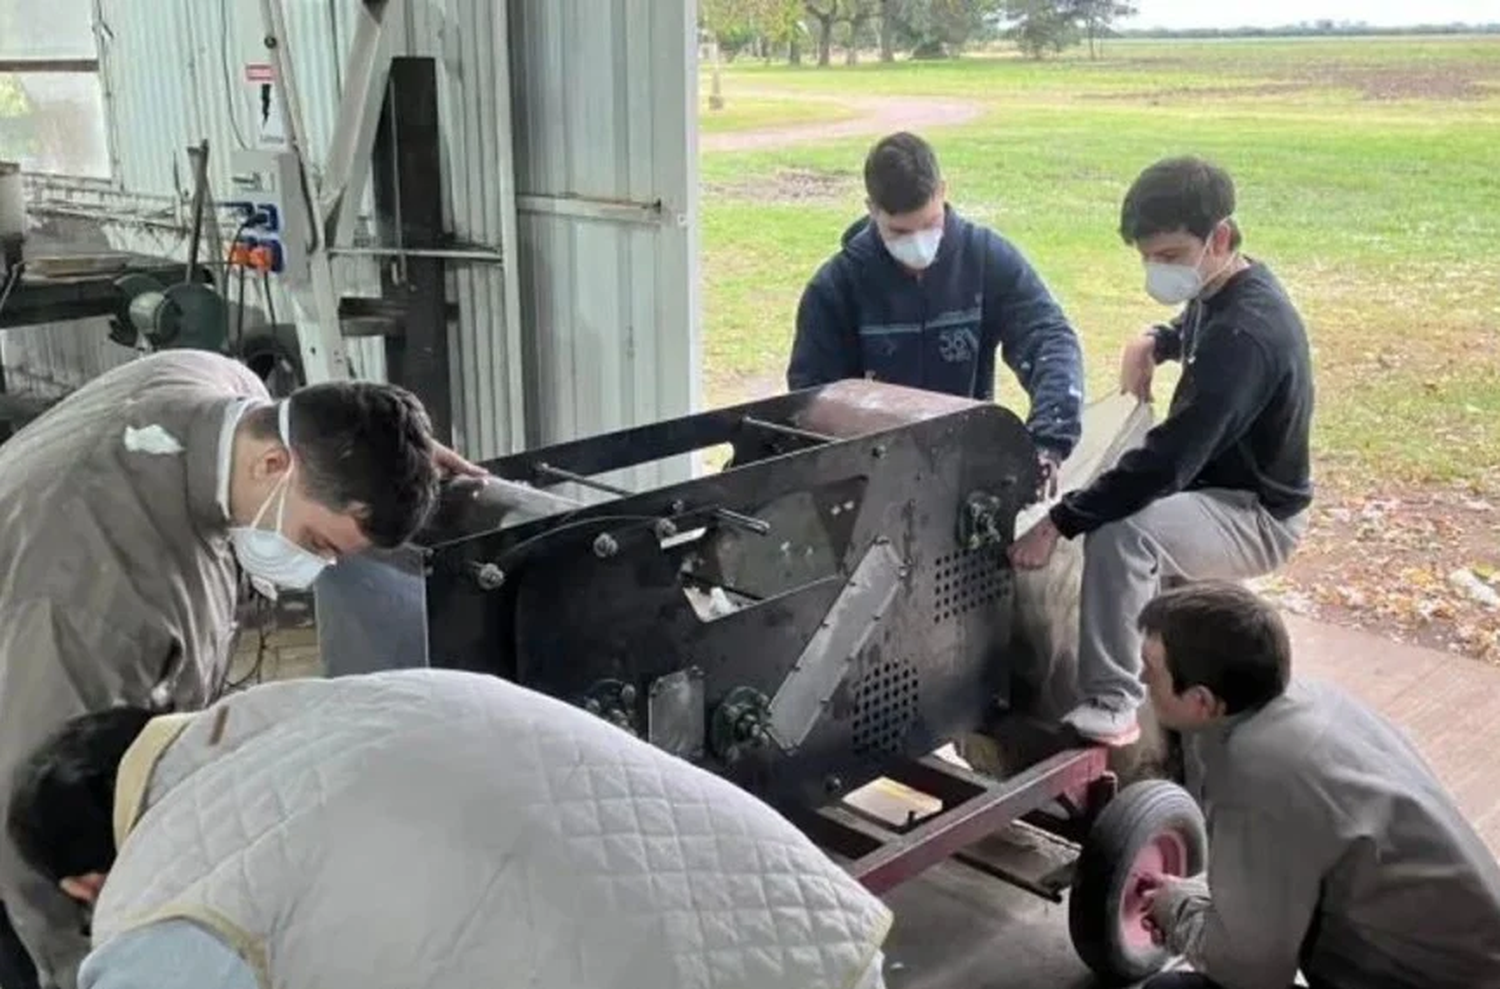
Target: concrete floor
[(958, 929)]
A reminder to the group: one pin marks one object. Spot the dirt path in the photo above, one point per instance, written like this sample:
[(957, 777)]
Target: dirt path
[(876, 115)]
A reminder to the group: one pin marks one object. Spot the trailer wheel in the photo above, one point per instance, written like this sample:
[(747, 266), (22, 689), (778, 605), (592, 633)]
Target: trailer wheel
[(1151, 828)]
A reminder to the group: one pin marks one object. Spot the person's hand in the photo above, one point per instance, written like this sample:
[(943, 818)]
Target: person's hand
[(451, 463), (1033, 550), (1046, 487), (1137, 365), (1150, 888)]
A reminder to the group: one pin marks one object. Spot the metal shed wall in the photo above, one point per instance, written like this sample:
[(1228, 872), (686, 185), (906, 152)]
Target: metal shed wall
[(575, 109), (606, 168)]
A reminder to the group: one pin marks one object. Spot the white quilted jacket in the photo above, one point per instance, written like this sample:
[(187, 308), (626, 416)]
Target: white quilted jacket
[(432, 828)]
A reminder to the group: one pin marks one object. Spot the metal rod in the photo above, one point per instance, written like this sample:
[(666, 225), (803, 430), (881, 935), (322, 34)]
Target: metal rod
[(9, 65), (776, 427), (451, 254), (758, 526), (200, 193), (588, 482)]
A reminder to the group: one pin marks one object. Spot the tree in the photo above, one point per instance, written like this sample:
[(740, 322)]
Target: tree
[(1096, 18), (890, 15), (826, 14), (857, 14), (1040, 26)]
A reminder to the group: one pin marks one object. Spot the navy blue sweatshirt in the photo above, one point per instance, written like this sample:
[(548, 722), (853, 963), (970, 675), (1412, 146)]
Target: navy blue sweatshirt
[(1239, 418), (864, 315)]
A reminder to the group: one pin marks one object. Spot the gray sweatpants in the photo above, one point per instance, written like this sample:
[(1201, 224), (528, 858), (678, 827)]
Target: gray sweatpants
[(1197, 535)]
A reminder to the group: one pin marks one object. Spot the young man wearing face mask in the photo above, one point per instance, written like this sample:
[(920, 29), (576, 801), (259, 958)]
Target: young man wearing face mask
[(126, 508), (1220, 488), (919, 296), (1332, 847)]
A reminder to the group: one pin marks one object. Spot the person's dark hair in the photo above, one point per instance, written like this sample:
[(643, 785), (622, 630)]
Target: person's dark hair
[(901, 173), (365, 444), (1220, 636), (1179, 194), (62, 798)]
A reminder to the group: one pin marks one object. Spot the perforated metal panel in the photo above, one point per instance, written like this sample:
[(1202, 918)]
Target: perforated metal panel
[(885, 705), (964, 581)]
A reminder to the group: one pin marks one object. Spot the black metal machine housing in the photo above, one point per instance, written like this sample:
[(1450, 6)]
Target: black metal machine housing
[(833, 601)]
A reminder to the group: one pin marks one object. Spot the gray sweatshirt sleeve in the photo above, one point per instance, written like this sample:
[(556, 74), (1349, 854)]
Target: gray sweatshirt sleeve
[(170, 954), (1246, 928)]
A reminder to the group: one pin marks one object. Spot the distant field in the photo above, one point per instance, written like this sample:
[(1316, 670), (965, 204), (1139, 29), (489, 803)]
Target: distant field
[(1369, 175)]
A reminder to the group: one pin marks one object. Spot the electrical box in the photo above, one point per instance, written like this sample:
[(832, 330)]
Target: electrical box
[(269, 212)]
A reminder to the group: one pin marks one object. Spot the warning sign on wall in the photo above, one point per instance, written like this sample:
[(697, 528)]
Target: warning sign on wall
[(265, 101)]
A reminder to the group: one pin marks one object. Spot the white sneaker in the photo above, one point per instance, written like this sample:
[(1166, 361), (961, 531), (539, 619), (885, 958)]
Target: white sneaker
[(1099, 722)]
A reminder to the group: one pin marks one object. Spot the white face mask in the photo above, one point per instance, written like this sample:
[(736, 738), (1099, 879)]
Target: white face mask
[(1173, 284), (916, 250), (271, 559)]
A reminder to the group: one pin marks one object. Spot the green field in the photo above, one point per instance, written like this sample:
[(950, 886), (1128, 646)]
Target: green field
[(1369, 177)]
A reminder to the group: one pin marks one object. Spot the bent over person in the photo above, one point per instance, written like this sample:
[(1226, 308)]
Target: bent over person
[(1332, 847), (919, 296), (126, 512), (1220, 487), (426, 828)]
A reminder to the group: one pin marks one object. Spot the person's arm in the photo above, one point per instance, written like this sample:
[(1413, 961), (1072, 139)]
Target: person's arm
[(1265, 877), (1168, 337), (170, 954), (1234, 378), (1039, 346), (826, 348)]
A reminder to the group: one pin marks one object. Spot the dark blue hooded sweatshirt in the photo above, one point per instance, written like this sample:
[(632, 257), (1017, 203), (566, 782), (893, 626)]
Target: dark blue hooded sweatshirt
[(863, 315)]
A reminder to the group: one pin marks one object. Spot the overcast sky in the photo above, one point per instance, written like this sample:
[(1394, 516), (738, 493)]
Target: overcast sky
[(1272, 13)]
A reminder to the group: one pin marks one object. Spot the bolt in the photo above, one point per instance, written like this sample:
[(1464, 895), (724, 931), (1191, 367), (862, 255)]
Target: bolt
[(591, 706), (679, 506), (627, 694), (833, 784), (605, 546), (732, 754), (665, 529), (879, 450), (489, 577)]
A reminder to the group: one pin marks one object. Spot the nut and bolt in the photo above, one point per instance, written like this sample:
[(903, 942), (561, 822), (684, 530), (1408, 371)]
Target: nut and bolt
[(665, 529), (627, 694), (489, 577), (605, 546)]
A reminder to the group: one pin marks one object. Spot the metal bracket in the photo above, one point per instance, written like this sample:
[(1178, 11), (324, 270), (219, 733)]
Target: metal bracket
[(826, 658), (676, 719)]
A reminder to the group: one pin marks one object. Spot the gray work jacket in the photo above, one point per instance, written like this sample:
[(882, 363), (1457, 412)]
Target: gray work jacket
[(117, 581), (1334, 849)]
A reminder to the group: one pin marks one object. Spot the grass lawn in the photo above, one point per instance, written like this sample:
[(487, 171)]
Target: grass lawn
[(1368, 174)]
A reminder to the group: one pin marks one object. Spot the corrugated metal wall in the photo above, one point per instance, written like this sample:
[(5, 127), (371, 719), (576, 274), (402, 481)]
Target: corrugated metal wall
[(606, 122), (591, 323)]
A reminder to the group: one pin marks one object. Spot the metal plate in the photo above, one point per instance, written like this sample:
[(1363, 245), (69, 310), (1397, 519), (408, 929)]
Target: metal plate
[(824, 662), (676, 714)]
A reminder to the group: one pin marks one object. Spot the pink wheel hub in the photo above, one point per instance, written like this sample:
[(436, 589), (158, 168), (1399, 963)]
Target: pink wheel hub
[(1165, 854)]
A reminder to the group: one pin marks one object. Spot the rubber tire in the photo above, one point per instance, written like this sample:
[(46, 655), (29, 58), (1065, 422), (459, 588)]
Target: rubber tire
[(1127, 824)]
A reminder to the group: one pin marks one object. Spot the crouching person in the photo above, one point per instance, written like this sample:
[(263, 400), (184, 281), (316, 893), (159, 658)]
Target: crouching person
[(424, 828), (1332, 847)]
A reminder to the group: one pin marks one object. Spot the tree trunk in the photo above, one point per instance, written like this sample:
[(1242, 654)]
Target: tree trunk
[(794, 52), (825, 42), (887, 40), (716, 93)]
